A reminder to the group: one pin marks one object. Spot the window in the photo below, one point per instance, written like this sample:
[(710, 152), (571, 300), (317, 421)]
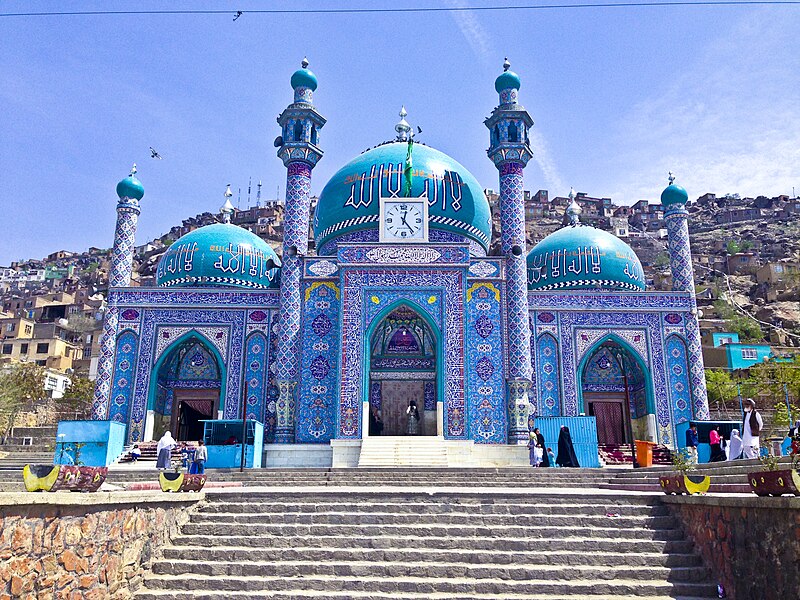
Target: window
[(23, 349), (7, 348), (298, 131), (750, 353), (10, 328), (513, 135), (27, 441), (42, 348), (28, 329), (725, 340)]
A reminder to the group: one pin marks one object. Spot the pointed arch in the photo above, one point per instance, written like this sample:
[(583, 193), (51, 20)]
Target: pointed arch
[(549, 376)]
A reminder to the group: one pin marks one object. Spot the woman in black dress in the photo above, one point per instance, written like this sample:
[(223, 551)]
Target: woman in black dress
[(566, 452)]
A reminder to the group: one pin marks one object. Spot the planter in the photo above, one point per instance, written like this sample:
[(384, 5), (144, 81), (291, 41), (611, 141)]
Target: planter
[(181, 482), (52, 478), (775, 483), (676, 483)]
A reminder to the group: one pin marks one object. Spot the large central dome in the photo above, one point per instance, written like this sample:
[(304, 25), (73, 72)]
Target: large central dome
[(349, 206)]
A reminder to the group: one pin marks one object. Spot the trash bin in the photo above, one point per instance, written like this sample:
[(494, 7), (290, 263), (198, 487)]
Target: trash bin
[(644, 453)]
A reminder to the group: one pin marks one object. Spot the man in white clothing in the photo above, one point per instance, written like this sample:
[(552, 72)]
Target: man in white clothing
[(751, 427)]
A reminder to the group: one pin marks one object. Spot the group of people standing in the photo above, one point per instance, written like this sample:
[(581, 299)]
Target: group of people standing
[(744, 443), (542, 456), (193, 460)]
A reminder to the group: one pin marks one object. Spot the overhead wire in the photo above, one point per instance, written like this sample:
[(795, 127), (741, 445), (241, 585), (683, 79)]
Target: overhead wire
[(410, 9)]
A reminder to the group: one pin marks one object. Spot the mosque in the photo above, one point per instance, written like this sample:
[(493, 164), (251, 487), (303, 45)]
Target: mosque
[(400, 301)]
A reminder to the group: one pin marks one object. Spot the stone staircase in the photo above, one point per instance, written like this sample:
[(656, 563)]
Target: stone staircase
[(16, 457), (403, 451), (397, 543)]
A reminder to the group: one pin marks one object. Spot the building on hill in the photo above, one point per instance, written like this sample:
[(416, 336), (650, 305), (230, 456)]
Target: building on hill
[(723, 349), (401, 303)]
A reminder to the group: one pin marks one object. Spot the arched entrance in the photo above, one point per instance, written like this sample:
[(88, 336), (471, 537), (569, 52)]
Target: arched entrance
[(187, 389), (615, 389), (403, 369)]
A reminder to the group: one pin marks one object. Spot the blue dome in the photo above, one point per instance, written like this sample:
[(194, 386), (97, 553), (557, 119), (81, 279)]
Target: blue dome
[(219, 255), (130, 187), (674, 194), (508, 79), (351, 199), (578, 257), (304, 78)]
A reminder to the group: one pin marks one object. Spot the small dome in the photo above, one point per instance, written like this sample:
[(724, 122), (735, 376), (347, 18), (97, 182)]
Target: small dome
[(507, 80), (130, 187), (219, 255), (674, 194), (578, 257), (304, 78)]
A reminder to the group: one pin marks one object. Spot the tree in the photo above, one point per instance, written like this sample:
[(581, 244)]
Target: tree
[(774, 382), (22, 384), (732, 247), (662, 260), (722, 389), (78, 395), (748, 329)]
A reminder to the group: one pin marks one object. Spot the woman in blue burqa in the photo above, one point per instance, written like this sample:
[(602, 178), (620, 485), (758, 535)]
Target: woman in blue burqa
[(566, 452), (164, 450)]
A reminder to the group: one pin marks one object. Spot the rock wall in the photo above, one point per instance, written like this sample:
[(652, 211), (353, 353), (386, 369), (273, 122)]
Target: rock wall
[(84, 546), (751, 544)]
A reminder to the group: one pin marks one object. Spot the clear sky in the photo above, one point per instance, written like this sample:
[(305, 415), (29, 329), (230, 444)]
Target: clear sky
[(619, 97)]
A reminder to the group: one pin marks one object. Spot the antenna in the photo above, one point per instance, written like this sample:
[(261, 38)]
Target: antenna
[(249, 183), (258, 195), (239, 200)]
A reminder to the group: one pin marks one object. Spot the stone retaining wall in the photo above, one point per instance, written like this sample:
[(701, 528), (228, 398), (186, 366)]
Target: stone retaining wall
[(751, 544), (76, 546)]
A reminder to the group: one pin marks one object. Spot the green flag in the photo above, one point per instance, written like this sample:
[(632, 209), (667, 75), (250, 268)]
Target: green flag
[(407, 170)]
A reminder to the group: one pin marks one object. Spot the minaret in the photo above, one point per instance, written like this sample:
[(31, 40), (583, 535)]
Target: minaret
[(298, 149), (676, 217), (509, 150), (129, 191)]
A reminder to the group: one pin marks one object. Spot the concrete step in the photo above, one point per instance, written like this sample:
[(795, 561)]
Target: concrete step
[(432, 508), (426, 530), (391, 542), (359, 595), (379, 585), (452, 518), (398, 451), (428, 571), (424, 555)]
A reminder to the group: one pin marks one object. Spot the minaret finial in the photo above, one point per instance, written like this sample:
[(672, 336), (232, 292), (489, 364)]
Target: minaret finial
[(403, 129), (506, 64), (304, 62), (227, 209), (574, 209), (133, 170), (671, 177)]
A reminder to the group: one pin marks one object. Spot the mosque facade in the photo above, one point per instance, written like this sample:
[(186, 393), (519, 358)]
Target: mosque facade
[(400, 301)]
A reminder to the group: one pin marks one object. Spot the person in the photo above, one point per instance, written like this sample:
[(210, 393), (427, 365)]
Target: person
[(691, 443), (164, 450), (534, 451), (375, 422), (566, 451), (794, 437), (200, 457), (715, 441), (735, 446), (136, 453), (184, 457), (751, 427), (412, 416), (551, 458), (540, 443)]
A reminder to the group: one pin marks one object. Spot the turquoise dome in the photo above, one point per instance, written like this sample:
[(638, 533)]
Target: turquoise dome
[(219, 255), (578, 257), (304, 78), (350, 201), (674, 194), (130, 187), (508, 79)]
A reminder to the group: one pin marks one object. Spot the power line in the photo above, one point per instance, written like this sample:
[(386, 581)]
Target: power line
[(419, 9)]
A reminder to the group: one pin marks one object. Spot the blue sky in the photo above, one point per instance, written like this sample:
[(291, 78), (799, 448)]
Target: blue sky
[(619, 97)]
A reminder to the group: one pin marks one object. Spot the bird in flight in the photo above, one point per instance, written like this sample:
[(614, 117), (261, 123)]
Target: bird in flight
[(155, 154)]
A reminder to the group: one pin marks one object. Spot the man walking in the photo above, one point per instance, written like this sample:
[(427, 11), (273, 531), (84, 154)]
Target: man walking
[(200, 457), (751, 428), (691, 443)]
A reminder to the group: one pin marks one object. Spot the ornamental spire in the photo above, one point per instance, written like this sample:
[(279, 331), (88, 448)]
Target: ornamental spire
[(133, 170), (403, 129), (574, 209), (227, 209), (671, 178)]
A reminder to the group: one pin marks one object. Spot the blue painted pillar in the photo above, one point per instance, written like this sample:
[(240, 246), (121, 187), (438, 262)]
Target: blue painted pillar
[(130, 191), (300, 124), (676, 217), (509, 150)]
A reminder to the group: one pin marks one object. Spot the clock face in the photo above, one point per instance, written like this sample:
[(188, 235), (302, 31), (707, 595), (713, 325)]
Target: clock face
[(404, 221)]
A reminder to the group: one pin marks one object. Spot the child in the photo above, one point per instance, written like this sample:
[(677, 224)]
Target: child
[(135, 453), (552, 457), (185, 457)]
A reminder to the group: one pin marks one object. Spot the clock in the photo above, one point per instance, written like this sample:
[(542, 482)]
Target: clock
[(404, 220)]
